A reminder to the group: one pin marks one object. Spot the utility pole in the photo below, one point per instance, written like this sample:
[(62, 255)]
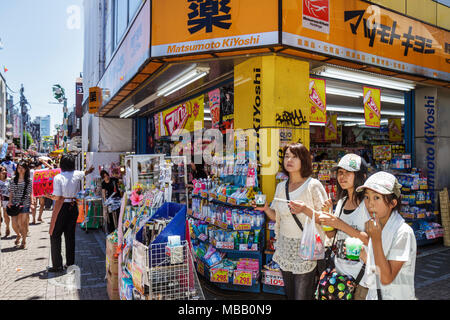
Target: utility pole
[(22, 109)]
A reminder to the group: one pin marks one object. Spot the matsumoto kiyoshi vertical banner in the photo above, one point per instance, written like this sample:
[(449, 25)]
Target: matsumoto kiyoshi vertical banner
[(395, 129), (317, 100), (331, 129), (372, 107)]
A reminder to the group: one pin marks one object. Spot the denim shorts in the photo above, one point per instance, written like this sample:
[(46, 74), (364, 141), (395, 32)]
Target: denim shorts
[(25, 210)]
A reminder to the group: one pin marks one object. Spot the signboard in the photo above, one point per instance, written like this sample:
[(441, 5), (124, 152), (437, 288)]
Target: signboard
[(189, 27), (214, 107), (242, 278), (79, 98), (372, 106), (368, 34), (4, 150), (395, 130), (331, 128), (273, 278), (43, 181), (131, 55), (95, 99), (183, 116), (317, 100)]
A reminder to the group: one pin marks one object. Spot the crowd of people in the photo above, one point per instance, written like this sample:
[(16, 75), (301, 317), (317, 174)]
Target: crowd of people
[(367, 209)]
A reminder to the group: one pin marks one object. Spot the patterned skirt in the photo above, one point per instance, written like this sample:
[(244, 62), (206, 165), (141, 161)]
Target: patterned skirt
[(287, 255)]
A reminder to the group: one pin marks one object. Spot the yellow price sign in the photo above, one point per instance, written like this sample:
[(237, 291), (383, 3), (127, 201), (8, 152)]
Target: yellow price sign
[(201, 267), (219, 275), (242, 278)]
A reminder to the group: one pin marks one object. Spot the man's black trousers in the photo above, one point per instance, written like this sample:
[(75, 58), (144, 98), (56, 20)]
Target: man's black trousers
[(65, 223)]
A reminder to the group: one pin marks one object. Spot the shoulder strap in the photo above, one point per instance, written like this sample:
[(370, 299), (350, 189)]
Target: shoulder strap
[(340, 213), (294, 216)]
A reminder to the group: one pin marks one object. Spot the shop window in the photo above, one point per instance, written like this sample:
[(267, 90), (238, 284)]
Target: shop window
[(109, 34), (133, 6), (120, 19)]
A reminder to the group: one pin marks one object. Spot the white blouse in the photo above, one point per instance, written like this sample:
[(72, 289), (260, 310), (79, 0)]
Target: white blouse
[(287, 232)]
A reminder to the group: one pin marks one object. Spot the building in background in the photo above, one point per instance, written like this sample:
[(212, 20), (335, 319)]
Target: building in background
[(3, 113)]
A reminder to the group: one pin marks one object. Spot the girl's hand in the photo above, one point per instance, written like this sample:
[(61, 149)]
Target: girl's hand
[(297, 206), (327, 206), (363, 254), (9, 204), (329, 220), (253, 204), (373, 229)]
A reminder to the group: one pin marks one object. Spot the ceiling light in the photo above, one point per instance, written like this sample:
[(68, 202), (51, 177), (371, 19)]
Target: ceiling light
[(182, 81), (128, 112), (364, 78), (359, 94), (345, 109), (316, 124)]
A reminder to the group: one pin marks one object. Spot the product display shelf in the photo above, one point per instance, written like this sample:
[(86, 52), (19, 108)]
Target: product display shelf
[(272, 282)]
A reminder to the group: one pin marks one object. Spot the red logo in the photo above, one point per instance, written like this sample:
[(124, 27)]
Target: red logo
[(317, 9)]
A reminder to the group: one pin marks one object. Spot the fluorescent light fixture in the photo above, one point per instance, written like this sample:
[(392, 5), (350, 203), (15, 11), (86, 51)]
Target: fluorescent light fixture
[(182, 81), (359, 94), (384, 121), (360, 110), (128, 112), (360, 77), (317, 124), (207, 119)]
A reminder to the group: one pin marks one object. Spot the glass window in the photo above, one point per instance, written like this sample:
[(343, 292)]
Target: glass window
[(109, 43), (121, 19), (133, 6)]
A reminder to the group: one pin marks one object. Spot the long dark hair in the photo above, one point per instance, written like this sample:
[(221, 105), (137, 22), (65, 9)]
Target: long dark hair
[(27, 172), (360, 178)]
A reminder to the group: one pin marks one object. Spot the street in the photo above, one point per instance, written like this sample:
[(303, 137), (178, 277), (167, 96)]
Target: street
[(24, 275)]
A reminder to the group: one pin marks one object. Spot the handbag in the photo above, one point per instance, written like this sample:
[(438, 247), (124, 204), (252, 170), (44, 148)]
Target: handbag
[(335, 286), (14, 210)]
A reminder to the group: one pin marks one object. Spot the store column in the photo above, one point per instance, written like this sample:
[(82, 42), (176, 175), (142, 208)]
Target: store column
[(271, 97), (432, 137)]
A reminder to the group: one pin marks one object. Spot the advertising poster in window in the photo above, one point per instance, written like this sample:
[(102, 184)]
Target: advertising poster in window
[(331, 129), (317, 100), (372, 107), (214, 106), (395, 130)]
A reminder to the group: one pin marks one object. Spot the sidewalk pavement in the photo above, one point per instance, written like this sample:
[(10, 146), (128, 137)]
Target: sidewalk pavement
[(24, 274)]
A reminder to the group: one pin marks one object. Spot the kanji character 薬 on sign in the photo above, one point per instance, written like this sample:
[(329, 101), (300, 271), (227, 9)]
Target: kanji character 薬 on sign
[(208, 13)]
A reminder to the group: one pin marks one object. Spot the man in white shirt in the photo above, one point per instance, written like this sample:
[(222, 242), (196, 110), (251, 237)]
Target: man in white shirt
[(66, 185)]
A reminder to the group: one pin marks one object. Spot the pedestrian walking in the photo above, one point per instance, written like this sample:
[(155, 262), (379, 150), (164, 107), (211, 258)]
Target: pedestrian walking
[(20, 201), (66, 185), (349, 218), (303, 197), (110, 188), (391, 253), (4, 192), (10, 165)]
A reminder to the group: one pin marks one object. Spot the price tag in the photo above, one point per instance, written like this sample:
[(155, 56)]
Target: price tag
[(201, 267), (223, 225), (222, 198), (242, 226), (244, 247), (273, 278), (204, 194), (225, 245), (213, 195), (232, 201), (219, 275), (242, 278)]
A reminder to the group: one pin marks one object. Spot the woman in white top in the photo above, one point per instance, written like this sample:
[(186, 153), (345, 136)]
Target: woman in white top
[(391, 253), (349, 217), (307, 196)]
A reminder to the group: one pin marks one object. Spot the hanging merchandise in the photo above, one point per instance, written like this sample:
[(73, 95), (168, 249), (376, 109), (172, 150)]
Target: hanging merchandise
[(395, 130), (331, 129), (214, 107), (227, 109), (372, 106), (317, 100)]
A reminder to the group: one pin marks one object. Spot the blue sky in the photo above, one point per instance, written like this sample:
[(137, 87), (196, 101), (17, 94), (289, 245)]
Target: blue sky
[(43, 45)]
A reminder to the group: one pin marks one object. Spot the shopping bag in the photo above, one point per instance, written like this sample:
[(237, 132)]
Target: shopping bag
[(312, 246)]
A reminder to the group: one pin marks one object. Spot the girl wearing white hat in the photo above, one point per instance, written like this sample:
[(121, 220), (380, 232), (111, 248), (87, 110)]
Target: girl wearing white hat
[(391, 253)]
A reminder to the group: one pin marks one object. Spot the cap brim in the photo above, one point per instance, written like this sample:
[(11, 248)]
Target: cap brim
[(361, 188), (344, 167)]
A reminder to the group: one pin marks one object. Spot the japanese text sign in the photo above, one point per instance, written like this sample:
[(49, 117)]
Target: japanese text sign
[(242, 278), (43, 181), (183, 116), (181, 27), (214, 107), (219, 275), (95, 99), (372, 107), (317, 100), (368, 34)]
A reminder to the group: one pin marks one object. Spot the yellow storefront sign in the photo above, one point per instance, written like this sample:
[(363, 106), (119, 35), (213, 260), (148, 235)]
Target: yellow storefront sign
[(395, 130), (331, 129), (95, 99), (317, 100), (372, 106), (189, 27), (368, 34), (183, 116)]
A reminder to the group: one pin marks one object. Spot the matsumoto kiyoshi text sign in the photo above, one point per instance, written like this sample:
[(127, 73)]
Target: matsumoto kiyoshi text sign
[(317, 100), (182, 116), (43, 181), (372, 107), (183, 27)]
